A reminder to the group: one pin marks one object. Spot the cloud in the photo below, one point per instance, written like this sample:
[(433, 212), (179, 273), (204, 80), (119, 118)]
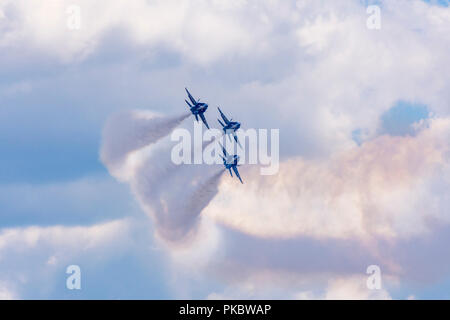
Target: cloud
[(83, 201), (6, 294), (354, 289), (381, 189), (72, 239), (382, 203), (33, 259), (310, 68), (317, 98), (179, 26), (330, 194), (357, 201), (351, 287)]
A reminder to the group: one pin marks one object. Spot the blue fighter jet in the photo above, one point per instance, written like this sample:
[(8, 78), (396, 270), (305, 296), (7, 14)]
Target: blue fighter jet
[(197, 108), (231, 162), (229, 127)]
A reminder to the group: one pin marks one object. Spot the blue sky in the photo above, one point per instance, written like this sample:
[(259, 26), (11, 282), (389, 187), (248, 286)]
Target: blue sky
[(336, 90)]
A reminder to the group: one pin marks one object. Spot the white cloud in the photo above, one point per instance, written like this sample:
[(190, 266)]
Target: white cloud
[(314, 60), (6, 293), (177, 25), (35, 258), (310, 68), (266, 286), (69, 239), (379, 193), (354, 288), (381, 189)]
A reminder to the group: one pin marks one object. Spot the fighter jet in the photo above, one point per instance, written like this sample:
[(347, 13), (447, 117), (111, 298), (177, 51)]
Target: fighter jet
[(197, 108), (229, 127), (231, 162)]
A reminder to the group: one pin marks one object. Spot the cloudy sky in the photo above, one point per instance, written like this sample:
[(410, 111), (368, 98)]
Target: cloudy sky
[(364, 120)]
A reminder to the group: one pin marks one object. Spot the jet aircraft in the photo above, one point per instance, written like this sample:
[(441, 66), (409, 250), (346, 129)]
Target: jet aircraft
[(197, 108), (230, 126), (231, 162)]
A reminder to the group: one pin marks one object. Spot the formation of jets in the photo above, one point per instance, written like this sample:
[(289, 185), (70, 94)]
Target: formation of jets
[(229, 127)]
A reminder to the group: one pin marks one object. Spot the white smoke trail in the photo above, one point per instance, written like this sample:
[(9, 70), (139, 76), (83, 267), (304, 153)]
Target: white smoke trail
[(176, 217), (129, 131), (173, 195)]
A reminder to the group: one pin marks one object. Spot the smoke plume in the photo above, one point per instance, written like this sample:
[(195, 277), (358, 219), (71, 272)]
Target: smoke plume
[(173, 195), (130, 131)]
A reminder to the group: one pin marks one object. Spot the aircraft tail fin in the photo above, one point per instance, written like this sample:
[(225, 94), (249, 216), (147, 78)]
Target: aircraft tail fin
[(223, 116), (221, 123), (190, 106), (190, 97), (236, 139), (223, 150), (237, 174), (202, 116)]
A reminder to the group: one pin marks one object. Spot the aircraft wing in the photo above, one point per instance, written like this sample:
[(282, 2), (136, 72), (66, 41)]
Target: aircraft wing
[(235, 169), (191, 97), (202, 115), (223, 150), (223, 116), (236, 139)]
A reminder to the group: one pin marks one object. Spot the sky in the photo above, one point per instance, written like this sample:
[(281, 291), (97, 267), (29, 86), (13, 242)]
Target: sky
[(87, 103)]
